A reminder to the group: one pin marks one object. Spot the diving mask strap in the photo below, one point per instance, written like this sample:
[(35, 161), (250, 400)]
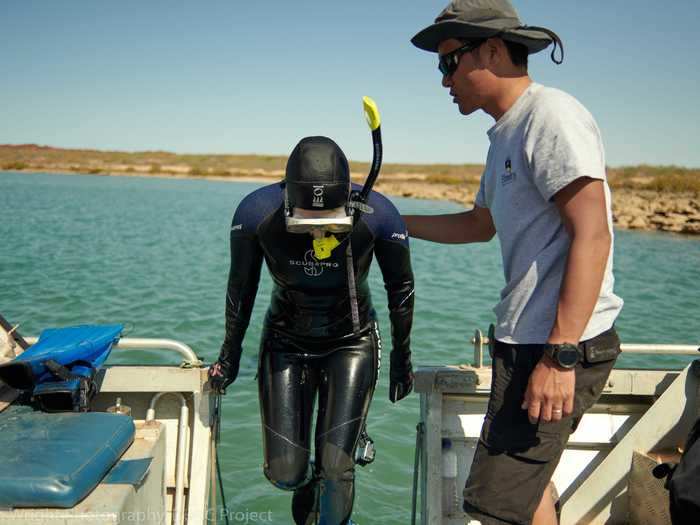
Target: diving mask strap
[(359, 205), (352, 289)]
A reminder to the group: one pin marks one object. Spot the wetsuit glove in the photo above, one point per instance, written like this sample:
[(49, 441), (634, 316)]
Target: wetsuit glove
[(224, 371), (400, 375)]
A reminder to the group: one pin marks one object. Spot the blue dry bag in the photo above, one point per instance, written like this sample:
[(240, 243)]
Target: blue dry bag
[(60, 368)]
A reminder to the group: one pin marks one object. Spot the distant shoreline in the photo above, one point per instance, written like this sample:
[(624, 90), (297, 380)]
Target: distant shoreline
[(633, 210), (648, 198), (236, 178)]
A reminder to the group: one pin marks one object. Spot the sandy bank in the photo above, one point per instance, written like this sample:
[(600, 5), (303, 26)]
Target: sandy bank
[(632, 209)]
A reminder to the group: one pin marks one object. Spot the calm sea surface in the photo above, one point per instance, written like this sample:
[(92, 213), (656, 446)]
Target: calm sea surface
[(153, 254)]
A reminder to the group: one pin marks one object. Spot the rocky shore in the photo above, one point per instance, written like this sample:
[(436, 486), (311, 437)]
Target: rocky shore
[(632, 209), (648, 210), (651, 198)]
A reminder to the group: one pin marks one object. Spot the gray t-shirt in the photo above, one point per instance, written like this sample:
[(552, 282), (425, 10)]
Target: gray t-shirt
[(545, 141)]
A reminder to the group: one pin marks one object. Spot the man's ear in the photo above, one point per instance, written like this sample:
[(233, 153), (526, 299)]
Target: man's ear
[(493, 50)]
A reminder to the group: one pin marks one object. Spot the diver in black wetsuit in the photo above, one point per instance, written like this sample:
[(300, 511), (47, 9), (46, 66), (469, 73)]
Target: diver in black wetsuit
[(320, 333)]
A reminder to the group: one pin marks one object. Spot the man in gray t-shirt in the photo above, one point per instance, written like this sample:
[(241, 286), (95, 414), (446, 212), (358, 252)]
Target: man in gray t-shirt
[(544, 194), (543, 143)]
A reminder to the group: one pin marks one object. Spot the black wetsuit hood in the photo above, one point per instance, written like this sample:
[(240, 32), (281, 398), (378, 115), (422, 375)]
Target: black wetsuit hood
[(317, 175)]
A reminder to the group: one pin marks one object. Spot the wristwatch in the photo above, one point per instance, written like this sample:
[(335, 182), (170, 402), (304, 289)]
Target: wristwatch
[(565, 354)]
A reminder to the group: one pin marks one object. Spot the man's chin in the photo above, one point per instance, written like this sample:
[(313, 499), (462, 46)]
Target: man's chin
[(466, 110)]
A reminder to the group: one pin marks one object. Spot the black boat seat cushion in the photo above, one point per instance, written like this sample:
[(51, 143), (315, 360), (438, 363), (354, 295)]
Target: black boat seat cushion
[(55, 460)]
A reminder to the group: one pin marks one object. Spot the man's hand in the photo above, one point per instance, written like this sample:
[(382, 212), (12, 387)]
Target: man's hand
[(550, 392), (222, 374), (400, 377)]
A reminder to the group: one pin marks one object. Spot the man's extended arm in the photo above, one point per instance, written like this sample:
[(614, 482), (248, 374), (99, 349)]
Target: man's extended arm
[(582, 208), (475, 225)]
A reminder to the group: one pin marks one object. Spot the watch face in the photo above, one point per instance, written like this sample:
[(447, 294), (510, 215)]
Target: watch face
[(568, 356)]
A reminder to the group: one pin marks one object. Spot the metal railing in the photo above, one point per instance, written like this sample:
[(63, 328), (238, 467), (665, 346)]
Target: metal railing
[(480, 341), (141, 343)]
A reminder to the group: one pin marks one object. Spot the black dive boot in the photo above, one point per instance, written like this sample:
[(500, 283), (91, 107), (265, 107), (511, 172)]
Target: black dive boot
[(305, 504)]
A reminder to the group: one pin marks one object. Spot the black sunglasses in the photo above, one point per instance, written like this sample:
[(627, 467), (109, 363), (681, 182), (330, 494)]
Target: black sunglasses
[(447, 63)]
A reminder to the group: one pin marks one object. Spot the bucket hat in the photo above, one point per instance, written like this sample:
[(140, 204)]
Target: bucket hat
[(477, 19)]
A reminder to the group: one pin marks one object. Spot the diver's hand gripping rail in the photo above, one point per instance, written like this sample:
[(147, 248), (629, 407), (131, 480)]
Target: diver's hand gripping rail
[(142, 343)]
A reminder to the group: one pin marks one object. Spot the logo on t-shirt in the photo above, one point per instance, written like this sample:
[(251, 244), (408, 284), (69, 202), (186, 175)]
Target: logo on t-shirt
[(508, 176)]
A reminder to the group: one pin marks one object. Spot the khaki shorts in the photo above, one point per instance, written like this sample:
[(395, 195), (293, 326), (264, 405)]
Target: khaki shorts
[(515, 459)]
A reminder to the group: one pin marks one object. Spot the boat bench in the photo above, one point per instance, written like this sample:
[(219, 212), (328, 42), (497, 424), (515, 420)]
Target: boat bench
[(56, 460)]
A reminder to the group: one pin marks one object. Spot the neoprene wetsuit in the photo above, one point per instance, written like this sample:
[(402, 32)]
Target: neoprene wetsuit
[(312, 342)]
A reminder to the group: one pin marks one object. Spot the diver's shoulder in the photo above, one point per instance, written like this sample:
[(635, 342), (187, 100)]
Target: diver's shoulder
[(261, 202), (385, 220), (269, 191), (379, 200), (268, 196)]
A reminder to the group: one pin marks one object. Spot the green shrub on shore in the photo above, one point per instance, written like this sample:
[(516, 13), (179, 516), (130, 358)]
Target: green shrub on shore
[(664, 179), (676, 183), (15, 166), (670, 179), (468, 172), (444, 178)]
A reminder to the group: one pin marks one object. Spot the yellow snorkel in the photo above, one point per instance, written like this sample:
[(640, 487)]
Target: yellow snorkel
[(323, 244)]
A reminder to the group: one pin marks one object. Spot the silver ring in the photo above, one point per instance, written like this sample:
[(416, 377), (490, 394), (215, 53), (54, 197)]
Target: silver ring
[(556, 410)]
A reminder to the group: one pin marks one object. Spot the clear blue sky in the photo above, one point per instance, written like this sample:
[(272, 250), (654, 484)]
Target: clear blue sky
[(256, 76)]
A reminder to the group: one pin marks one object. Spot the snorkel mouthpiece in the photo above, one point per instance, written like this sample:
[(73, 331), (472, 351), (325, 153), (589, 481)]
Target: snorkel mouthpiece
[(323, 247)]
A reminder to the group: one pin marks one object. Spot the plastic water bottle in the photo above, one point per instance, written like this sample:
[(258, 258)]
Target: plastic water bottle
[(449, 478)]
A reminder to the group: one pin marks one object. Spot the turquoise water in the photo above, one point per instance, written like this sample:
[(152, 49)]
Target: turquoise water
[(153, 254)]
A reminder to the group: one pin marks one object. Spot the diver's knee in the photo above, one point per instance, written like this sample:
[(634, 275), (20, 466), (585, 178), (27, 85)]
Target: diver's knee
[(336, 473), (286, 475), (336, 464)]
